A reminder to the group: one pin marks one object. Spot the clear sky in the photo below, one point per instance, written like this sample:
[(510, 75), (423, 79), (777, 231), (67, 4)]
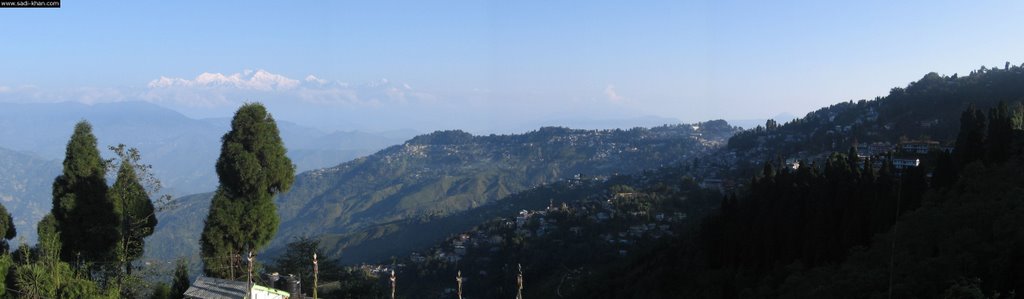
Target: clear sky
[(494, 65)]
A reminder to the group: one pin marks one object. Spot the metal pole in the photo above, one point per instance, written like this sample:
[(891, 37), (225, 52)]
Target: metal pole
[(316, 272), (458, 279), (249, 285), (519, 282), (392, 284)]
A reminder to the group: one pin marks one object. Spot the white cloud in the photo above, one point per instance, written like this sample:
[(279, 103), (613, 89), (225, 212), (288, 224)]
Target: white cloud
[(247, 80), (613, 96), (211, 91), (217, 89)]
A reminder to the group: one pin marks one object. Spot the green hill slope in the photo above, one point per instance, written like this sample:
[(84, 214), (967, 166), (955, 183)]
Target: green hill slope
[(953, 238), (925, 109), (442, 173), (825, 230)]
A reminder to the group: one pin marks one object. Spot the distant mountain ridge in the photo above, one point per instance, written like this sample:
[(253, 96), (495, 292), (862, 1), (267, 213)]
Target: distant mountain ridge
[(752, 123), (446, 172), (181, 149), (22, 178)]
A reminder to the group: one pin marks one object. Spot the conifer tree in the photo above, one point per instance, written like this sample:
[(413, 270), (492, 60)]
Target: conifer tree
[(944, 175), (49, 237), (181, 280), (970, 141), (853, 159), (83, 214), (999, 138), (136, 215), (252, 169)]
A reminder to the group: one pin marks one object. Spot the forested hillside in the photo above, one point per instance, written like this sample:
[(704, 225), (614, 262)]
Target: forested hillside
[(925, 109), (562, 235), (442, 173), (852, 228), (842, 225)]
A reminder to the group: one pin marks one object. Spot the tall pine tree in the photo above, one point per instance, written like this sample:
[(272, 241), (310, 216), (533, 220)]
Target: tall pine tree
[(181, 279), (84, 216), (999, 138), (135, 212), (970, 145), (252, 169)]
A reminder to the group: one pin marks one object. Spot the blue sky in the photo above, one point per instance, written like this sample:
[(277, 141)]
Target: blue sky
[(495, 65)]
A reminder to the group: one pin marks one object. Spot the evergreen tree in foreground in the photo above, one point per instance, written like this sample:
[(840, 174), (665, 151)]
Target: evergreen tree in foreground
[(80, 229), (252, 169), (181, 280), (136, 215), (84, 216)]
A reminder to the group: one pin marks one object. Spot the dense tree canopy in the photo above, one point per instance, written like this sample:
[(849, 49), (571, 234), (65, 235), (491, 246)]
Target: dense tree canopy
[(252, 169), (83, 213), (843, 231), (810, 215), (135, 212)]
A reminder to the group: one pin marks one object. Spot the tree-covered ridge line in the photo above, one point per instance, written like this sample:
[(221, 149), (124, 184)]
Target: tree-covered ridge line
[(376, 199), (253, 169), (842, 203), (847, 230), (841, 226), (928, 108), (844, 174), (495, 165), (459, 172)]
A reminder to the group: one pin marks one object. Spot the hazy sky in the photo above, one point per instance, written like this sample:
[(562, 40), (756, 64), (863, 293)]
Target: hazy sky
[(494, 65)]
